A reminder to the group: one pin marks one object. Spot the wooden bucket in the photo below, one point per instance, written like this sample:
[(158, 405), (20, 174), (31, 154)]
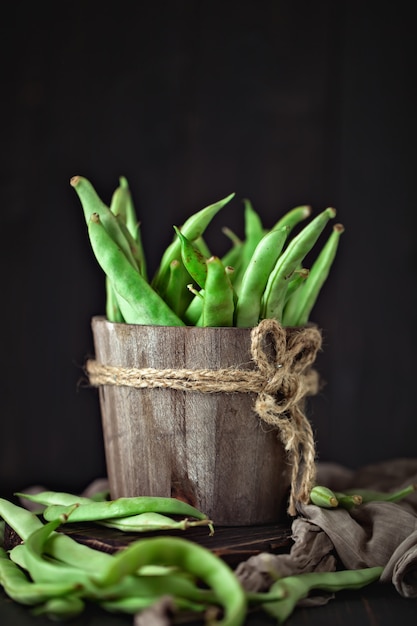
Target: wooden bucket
[(209, 449)]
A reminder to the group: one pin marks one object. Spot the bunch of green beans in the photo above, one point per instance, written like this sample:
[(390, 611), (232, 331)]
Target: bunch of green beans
[(56, 576), (261, 276)]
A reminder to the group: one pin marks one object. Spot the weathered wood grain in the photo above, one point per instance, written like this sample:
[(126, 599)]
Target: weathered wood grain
[(209, 449)]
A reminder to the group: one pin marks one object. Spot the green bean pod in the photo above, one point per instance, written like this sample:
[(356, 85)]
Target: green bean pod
[(188, 557), (256, 275), (20, 588), (306, 297), (289, 261), (298, 278), (193, 228), (371, 495), (348, 501), (144, 522), (194, 310), (254, 232), (293, 217), (194, 261), (63, 608), (145, 305), (324, 497), (92, 204), (300, 586), (113, 312), (122, 507), (219, 299)]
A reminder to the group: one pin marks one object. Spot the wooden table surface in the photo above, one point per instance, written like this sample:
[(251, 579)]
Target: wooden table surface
[(375, 605)]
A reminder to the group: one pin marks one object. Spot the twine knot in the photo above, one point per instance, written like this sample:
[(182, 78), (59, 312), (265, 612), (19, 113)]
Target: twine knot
[(284, 361)]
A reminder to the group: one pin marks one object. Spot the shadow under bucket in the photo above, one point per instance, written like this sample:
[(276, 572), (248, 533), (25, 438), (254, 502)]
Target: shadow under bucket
[(172, 434)]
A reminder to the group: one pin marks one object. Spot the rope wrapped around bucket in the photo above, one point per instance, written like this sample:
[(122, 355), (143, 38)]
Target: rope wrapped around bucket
[(282, 379)]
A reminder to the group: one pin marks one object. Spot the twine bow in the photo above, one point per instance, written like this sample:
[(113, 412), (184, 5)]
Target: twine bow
[(289, 379), (282, 380)]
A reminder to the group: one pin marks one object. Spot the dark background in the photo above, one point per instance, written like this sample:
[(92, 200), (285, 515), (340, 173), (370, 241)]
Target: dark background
[(282, 102)]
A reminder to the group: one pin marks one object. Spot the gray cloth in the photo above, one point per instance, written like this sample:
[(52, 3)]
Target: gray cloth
[(375, 533)]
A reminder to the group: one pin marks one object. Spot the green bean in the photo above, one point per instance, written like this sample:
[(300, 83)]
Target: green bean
[(193, 228), (134, 226), (123, 507), (348, 501), (289, 261), (64, 608), (324, 497), (256, 276), (193, 259), (145, 305), (193, 311), (218, 303), (254, 232), (60, 546), (293, 217), (21, 589), (143, 522), (113, 312), (22, 521), (298, 278), (307, 295), (92, 204), (188, 557), (174, 294), (53, 497), (370, 495), (299, 586)]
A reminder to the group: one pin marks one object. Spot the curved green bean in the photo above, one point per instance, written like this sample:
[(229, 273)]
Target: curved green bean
[(193, 259), (298, 314), (21, 589), (145, 306), (256, 275), (188, 557), (300, 586), (293, 217), (92, 204), (292, 257), (63, 608), (193, 228)]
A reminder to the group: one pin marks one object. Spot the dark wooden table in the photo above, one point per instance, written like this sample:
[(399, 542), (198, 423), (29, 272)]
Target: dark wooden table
[(375, 605)]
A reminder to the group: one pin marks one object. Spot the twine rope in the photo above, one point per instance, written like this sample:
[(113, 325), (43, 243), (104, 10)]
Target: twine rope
[(283, 378)]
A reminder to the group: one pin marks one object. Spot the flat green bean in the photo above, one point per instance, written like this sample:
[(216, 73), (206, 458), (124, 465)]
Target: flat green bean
[(145, 305), (188, 557), (144, 522), (122, 507)]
